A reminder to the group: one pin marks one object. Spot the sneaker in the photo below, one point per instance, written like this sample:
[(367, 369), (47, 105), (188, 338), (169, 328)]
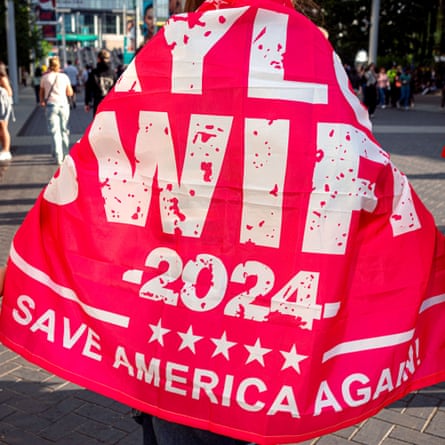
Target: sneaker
[(5, 156)]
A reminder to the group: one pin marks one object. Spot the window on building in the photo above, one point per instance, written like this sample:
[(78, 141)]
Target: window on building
[(109, 25), (87, 23)]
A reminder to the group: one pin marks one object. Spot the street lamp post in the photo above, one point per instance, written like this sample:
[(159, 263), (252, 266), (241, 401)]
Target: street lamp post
[(62, 12), (374, 31), (12, 48)]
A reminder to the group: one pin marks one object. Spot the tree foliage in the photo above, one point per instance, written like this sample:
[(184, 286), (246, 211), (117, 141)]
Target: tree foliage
[(410, 31), (23, 41), (407, 29), (29, 43)]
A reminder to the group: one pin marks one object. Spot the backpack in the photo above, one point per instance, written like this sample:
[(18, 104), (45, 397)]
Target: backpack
[(104, 84)]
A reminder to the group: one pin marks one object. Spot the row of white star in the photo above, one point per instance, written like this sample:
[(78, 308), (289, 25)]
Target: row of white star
[(222, 346)]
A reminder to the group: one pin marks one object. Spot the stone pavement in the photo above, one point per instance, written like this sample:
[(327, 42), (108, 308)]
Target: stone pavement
[(39, 408)]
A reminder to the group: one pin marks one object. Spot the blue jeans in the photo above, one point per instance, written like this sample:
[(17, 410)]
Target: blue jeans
[(161, 432), (57, 117), (405, 94), (382, 96)]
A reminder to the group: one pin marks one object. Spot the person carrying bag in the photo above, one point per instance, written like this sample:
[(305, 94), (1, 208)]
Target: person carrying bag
[(55, 88)]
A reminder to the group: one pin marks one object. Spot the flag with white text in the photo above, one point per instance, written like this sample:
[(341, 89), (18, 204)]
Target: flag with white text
[(228, 246)]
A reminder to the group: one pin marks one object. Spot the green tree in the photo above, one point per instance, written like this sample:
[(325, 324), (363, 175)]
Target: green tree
[(347, 22), (407, 29), (29, 42), (22, 29)]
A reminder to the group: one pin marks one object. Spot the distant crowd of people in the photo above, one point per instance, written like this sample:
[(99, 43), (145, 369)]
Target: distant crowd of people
[(57, 93), (56, 88), (381, 87), (394, 87)]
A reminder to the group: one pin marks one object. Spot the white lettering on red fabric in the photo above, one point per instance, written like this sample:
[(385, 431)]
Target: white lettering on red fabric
[(361, 113), (266, 145), (363, 393), (190, 39), (173, 376), (92, 341), (266, 70), (130, 81), (22, 314), (353, 390), (190, 275), (241, 394), (325, 399), (287, 395), (46, 323), (64, 292), (127, 189), (385, 383), (244, 303), (150, 374), (338, 189), (63, 188), (50, 323), (206, 381), (296, 299)]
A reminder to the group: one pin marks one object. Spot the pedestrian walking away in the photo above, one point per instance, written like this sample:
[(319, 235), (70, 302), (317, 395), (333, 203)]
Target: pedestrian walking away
[(55, 88), (36, 79), (5, 113), (73, 74), (100, 81)]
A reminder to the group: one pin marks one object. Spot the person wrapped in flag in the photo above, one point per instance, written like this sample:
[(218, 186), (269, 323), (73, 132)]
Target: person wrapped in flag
[(228, 247)]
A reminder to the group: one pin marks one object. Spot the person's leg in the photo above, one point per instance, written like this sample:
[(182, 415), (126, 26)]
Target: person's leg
[(381, 93), (393, 94), (53, 119), (372, 100), (64, 113), (404, 97), (5, 137), (148, 434), (169, 433)]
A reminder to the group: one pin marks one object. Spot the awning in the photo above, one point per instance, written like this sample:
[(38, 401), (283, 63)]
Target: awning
[(78, 37)]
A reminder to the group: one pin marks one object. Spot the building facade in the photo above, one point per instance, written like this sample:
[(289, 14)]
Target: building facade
[(71, 25)]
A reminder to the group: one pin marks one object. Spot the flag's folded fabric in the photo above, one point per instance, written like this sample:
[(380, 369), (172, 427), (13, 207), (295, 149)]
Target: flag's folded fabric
[(228, 246)]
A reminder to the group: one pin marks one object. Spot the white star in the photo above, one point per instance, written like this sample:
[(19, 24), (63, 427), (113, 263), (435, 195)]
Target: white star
[(256, 352), (222, 346), (189, 340), (292, 359), (158, 333)]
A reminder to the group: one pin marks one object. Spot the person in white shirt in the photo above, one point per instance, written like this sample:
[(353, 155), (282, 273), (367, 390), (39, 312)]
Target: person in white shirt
[(55, 88)]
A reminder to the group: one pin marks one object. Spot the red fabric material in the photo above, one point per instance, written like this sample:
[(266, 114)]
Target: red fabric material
[(227, 246)]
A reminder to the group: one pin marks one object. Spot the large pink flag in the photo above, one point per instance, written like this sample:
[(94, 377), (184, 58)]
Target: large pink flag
[(228, 246)]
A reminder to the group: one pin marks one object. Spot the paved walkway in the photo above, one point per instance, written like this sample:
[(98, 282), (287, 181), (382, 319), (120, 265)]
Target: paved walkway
[(39, 408)]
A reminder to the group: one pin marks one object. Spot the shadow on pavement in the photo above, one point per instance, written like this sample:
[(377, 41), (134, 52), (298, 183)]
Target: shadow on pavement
[(36, 124), (32, 412), (4, 165)]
